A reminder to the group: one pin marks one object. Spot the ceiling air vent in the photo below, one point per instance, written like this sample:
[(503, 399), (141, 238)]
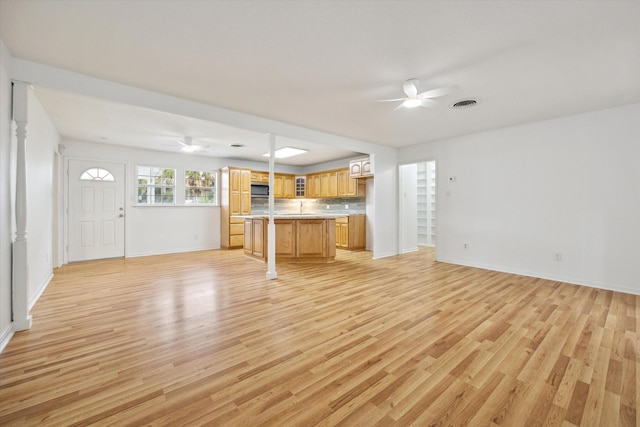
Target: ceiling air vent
[(236, 145), (465, 103)]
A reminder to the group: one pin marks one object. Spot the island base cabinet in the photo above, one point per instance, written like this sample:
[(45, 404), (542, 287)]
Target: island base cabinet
[(297, 240), (285, 238)]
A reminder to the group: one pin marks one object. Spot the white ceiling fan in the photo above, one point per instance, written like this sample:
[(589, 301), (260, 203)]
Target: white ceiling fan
[(188, 145), (415, 99)]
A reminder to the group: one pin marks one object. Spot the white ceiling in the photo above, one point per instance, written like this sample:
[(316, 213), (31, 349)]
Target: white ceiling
[(83, 118), (323, 64)]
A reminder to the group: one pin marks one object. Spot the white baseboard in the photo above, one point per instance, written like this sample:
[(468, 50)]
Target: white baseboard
[(6, 336), (409, 250), (385, 255), (38, 294), (167, 252), (564, 279)]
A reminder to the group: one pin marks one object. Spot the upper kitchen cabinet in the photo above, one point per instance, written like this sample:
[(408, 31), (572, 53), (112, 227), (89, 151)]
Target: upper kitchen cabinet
[(257, 176), (329, 184), (313, 186), (284, 186), (360, 168), (350, 187)]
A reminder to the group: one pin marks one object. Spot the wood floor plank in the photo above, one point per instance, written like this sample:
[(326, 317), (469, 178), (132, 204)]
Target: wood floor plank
[(203, 338)]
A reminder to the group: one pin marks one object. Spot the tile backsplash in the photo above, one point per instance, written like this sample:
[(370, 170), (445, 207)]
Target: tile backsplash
[(351, 205)]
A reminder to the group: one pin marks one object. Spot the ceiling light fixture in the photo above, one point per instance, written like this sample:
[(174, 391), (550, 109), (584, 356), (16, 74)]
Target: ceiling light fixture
[(189, 148), (283, 153), (412, 103)]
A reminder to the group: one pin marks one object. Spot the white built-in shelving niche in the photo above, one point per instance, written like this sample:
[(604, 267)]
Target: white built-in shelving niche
[(427, 203)]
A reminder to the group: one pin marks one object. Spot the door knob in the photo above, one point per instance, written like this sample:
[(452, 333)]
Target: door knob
[(120, 216)]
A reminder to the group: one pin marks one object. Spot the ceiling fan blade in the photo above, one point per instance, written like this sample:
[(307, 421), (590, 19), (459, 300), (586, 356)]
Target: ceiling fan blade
[(434, 93), (182, 143), (398, 107), (429, 103), (392, 100), (410, 87)]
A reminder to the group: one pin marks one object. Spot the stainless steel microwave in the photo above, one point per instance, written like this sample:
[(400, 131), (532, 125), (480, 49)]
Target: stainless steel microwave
[(259, 190)]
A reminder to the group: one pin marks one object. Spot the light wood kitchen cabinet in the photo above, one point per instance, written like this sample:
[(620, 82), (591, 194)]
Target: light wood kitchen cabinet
[(235, 199), (289, 186), (284, 186), (258, 176), (342, 232), (360, 168), (350, 187), (322, 185), (297, 240), (329, 184), (285, 239), (351, 232), (309, 242), (255, 237), (314, 186), (278, 186)]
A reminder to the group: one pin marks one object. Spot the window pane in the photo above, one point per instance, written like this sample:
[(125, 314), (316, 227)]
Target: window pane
[(96, 174), (199, 187), (155, 185)]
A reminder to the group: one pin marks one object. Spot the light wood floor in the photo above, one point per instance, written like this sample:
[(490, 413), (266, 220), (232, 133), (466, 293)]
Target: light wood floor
[(204, 339)]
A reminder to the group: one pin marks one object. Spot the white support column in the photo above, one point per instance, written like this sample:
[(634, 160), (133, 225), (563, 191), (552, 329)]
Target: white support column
[(20, 272), (271, 228)]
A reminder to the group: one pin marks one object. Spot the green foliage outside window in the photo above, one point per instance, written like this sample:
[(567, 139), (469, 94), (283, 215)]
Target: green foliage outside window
[(199, 187), (156, 186)]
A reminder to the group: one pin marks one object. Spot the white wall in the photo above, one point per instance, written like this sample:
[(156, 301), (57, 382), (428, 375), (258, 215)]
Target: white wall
[(521, 195), (151, 230), (385, 230), (6, 235), (42, 143)]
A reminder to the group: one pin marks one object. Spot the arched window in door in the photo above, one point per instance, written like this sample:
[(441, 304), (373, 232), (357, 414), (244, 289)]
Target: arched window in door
[(96, 174)]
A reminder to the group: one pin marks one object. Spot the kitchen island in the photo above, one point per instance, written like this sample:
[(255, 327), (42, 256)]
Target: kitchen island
[(309, 238)]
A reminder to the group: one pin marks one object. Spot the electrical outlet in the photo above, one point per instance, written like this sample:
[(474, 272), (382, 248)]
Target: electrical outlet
[(558, 256), (346, 206), (466, 246)]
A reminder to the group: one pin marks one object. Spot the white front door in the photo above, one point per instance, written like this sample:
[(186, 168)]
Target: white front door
[(96, 210)]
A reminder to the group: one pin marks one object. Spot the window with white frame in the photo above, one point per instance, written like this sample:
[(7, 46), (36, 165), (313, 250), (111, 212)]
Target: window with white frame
[(199, 187), (156, 186)]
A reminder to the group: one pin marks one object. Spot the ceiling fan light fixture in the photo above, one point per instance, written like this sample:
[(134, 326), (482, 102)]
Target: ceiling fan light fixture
[(283, 153), (412, 103), (189, 148)]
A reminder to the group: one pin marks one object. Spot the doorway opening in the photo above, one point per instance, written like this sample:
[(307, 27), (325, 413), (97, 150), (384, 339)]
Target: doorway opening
[(417, 205)]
